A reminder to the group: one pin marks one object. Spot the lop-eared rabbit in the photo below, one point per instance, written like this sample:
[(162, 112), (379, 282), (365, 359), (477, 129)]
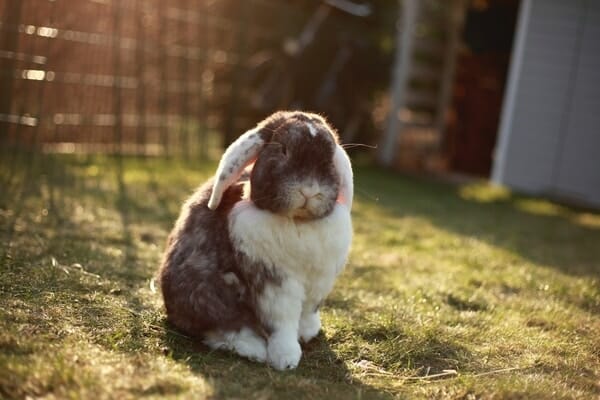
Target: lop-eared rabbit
[(258, 247)]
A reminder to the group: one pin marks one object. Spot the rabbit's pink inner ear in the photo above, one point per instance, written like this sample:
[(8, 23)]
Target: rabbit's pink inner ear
[(342, 164), (238, 155)]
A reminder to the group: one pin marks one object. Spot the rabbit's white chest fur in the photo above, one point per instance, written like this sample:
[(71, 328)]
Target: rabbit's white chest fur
[(311, 253)]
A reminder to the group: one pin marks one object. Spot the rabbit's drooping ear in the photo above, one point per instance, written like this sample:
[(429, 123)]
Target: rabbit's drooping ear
[(238, 156), (341, 161)]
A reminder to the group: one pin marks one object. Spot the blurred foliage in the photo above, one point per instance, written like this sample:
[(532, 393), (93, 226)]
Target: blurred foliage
[(338, 74)]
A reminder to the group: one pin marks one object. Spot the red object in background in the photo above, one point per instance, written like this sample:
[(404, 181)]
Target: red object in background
[(476, 108), (482, 68)]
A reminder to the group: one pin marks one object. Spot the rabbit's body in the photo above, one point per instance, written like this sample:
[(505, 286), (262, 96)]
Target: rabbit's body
[(196, 277), (312, 253), (248, 271)]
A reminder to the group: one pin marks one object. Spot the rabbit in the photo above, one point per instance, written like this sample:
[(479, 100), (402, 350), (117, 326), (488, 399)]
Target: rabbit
[(257, 248)]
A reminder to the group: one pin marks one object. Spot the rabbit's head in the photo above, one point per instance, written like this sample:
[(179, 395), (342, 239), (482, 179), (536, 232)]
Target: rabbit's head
[(300, 170)]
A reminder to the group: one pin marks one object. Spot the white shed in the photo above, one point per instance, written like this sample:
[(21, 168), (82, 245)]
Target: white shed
[(549, 135)]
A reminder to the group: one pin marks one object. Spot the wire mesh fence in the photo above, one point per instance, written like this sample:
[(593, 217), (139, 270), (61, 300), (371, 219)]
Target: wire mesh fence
[(131, 76), (106, 80), (153, 77), (90, 89), (112, 80)]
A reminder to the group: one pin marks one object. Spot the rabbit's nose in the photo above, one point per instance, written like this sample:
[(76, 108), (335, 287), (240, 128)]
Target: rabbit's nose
[(310, 191)]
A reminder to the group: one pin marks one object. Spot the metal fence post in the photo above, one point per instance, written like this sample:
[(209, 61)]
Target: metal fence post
[(141, 127), (184, 93), (230, 132), (116, 49), (8, 41), (164, 89), (205, 44)]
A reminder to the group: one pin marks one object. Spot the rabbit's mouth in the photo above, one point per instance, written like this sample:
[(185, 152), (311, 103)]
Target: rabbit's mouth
[(303, 214), (311, 210), (305, 209)]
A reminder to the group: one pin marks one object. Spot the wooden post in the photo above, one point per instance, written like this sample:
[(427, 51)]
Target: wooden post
[(409, 10)]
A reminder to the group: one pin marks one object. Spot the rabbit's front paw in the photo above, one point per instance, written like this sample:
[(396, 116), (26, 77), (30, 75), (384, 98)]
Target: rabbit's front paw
[(283, 352)]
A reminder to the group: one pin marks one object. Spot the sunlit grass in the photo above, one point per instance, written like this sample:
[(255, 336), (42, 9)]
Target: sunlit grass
[(450, 292)]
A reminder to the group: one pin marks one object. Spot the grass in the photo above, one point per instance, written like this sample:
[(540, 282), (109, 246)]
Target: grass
[(464, 291)]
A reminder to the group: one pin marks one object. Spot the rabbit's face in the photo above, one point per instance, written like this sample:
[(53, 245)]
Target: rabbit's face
[(294, 174), (300, 170)]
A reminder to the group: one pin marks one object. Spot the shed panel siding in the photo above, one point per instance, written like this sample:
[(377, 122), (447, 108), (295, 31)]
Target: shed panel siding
[(542, 94), (551, 129), (578, 169)]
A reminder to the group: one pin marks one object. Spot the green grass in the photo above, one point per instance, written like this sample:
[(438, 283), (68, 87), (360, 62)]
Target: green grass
[(450, 292)]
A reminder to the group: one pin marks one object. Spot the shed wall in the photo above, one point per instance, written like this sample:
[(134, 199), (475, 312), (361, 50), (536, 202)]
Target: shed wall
[(549, 140)]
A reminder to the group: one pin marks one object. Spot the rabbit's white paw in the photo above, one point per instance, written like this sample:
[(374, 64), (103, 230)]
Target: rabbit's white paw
[(245, 342), (283, 352), (251, 346)]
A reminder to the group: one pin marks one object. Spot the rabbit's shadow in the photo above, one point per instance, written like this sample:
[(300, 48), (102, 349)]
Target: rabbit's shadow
[(320, 374)]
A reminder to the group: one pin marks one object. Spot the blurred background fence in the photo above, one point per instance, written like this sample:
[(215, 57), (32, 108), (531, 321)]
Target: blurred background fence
[(178, 77), (182, 78)]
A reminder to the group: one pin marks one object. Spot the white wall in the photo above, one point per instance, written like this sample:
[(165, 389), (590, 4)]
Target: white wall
[(549, 138)]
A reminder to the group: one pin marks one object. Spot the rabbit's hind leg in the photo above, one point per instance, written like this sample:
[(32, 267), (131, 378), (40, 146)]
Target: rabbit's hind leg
[(310, 325), (244, 342)]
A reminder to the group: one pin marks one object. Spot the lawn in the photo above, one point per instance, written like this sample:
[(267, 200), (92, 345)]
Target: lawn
[(451, 291)]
